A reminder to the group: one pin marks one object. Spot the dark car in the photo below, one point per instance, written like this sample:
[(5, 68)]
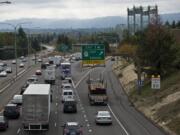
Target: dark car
[(112, 58), (11, 111), (23, 88), (72, 128), (69, 106), (3, 123)]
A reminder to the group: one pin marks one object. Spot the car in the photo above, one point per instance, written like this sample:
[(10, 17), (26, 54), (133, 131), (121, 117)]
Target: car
[(103, 117), (3, 64), (112, 58), (17, 99), (8, 69), (3, 74), (24, 60), (1, 68), (69, 106), (21, 65), (72, 128), (64, 82), (23, 88), (67, 94), (38, 72), (32, 80), (66, 86), (33, 58), (3, 123), (39, 60), (11, 111), (22, 57), (13, 61)]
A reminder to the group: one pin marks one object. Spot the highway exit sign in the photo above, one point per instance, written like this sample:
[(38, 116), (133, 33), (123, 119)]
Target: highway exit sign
[(93, 52)]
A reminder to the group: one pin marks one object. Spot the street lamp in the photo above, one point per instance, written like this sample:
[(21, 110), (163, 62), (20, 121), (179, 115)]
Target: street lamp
[(15, 44)]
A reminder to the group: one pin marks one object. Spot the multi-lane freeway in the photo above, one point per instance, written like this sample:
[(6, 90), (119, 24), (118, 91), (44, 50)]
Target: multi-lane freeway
[(126, 120)]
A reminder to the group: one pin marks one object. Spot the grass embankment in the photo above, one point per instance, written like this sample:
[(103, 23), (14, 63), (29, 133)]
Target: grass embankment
[(162, 106)]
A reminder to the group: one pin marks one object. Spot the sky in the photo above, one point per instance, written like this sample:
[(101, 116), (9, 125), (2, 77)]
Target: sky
[(80, 9)]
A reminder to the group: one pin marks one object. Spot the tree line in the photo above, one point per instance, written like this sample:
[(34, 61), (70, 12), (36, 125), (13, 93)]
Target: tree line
[(7, 39)]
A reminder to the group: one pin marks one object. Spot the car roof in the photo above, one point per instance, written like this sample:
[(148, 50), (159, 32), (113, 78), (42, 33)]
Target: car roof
[(103, 112), (72, 123), (8, 105), (67, 84), (67, 90)]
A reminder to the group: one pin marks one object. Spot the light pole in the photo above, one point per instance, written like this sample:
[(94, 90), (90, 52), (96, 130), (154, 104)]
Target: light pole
[(15, 44), (5, 2)]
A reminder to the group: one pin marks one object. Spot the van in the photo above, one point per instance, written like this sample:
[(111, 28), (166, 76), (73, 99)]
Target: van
[(67, 94), (11, 111), (69, 106), (17, 99)]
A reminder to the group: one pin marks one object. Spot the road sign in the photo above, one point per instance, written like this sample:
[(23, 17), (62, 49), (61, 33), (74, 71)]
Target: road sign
[(155, 82), (63, 48), (93, 54)]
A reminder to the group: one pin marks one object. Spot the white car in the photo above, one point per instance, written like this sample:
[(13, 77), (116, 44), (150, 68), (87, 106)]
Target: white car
[(17, 99), (33, 79), (21, 65), (67, 94), (8, 69), (3, 74), (103, 117), (39, 60), (66, 86), (13, 61)]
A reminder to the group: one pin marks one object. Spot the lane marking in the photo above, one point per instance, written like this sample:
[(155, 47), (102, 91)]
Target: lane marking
[(55, 124), (56, 112), (118, 121), (56, 104), (90, 130), (88, 125), (18, 131)]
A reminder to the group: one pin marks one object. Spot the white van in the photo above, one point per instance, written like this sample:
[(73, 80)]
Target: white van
[(17, 99), (67, 93)]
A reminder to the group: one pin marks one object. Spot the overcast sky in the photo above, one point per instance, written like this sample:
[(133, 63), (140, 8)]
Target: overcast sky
[(80, 9)]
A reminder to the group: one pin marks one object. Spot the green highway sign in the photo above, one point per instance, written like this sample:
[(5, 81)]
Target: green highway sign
[(93, 52)]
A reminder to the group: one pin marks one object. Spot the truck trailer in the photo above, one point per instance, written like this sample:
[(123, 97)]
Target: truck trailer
[(36, 107)]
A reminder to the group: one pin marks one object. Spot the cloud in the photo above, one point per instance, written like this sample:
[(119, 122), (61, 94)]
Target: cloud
[(79, 8)]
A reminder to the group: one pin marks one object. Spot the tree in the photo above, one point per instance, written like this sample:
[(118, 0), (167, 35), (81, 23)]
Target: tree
[(22, 42), (156, 49), (173, 24)]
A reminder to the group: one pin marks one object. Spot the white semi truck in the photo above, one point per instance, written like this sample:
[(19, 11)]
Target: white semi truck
[(36, 107)]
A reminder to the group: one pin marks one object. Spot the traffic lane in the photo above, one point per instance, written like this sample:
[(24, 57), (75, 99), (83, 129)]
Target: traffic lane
[(91, 111), (15, 126), (10, 76), (16, 87), (67, 117), (134, 122)]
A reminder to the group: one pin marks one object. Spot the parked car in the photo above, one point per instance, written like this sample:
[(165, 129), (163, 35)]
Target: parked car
[(17, 99), (3, 74), (103, 117), (38, 72), (69, 106), (112, 58), (72, 128), (11, 111), (3, 123), (21, 65), (8, 69), (67, 94)]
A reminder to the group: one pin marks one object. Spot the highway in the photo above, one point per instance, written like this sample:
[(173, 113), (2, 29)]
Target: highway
[(126, 120)]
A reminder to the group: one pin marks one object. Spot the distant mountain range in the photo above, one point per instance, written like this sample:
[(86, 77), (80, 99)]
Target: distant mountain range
[(102, 22)]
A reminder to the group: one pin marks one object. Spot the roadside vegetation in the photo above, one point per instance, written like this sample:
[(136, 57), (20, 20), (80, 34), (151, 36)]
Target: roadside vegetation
[(155, 51)]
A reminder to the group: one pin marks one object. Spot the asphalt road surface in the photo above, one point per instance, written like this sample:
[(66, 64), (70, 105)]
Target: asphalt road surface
[(126, 120)]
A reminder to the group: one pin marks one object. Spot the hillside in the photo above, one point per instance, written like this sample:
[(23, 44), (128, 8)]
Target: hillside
[(161, 106)]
